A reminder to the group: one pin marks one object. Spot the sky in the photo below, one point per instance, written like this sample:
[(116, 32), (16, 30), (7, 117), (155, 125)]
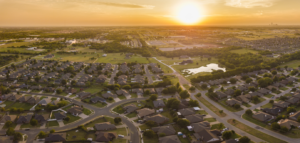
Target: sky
[(148, 12)]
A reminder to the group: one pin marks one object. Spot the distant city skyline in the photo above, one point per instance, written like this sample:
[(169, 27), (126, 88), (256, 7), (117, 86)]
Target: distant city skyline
[(148, 13)]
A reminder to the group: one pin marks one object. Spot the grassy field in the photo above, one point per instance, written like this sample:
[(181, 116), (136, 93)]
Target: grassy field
[(86, 111), (11, 104), (291, 64), (52, 124), (131, 115), (255, 132), (268, 105), (72, 118), (243, 51), (211, 107), (94, 88)]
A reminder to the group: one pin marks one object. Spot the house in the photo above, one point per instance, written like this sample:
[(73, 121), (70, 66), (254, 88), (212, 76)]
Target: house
[(256, 94), (288, 123), (105, 136), (297, 95), (292, 100), (281, 104), (122, 92), (14, 97), (107, 95), (145, 112), (168, 130), (159, 119), (56, 137), (264, 91), (231, 141), (263, 117), (295, 116), (106, 126), (6, 96), (41, 118), (203, 134), (232, 102), (60, 116), (83, 95), (139, 79), (221, 95), (24, 119), (169, 139), (71, 90), (6, 118), (196, 127), (97, 99), (44, 101), (24, 98), (130, 108), (33, 100), (272, 111), (186, 112), (101, 79), (159, 104), (194, 118), (75, 110), (229, 91)]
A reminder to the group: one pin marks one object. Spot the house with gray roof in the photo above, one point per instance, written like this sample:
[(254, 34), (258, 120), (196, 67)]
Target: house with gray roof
[(195, 118), (186, 112), (158, 119), (130, 108), (106, 126), (169, 139), (168, 130), (159, 104), (263, 117), (24, 119)]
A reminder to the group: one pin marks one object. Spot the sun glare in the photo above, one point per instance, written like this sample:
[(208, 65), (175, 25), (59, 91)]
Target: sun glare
[(189, 14)]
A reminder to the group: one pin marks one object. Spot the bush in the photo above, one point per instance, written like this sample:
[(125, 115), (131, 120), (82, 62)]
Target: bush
[(192, 88), (198, 94), (227, 135), (183, 122), (149, 134), (42, 134), (151, 123), (33, 122), (271, 101), (283, 130), (249, 112), (117, 120), (237, 106), (244, 139), (52, 131), (275, 126)]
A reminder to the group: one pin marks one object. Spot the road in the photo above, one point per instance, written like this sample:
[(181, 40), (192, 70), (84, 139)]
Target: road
[(232, 115), (112, 80)]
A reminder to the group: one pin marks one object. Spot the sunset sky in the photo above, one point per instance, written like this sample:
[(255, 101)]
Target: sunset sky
[(148, 12)]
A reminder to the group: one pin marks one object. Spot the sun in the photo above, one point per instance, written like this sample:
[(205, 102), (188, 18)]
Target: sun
[(189, 14)]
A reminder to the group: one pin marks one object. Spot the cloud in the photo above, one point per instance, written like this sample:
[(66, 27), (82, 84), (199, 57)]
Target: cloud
[(125, 5), (249, 3)]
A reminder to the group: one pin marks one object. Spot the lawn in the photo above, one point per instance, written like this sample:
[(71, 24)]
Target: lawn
[(219, 126), (119, 140), (291, 64), (10, 104), (259, 100), (53, 98), (72, 135), (66, 108), (255, 132), (210, 119), (174, 79), (202, 112), (167, 114), (121, 97), (52, 124), (133, 95), (144, 127), (283, 88), (94, 88), (98, 104), (115, 58), (246, 104), (211, 107), (183, 130), (268, 105), (131, 115), (86, 111), (269, 95), (119, 110), (119, 131), (43, 97), (243, 51), (101, 120), (72, 118)]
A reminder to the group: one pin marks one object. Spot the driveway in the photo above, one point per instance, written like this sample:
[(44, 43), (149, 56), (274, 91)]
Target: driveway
[(83, 116), (117, 99), (61, 123), (18, 127)]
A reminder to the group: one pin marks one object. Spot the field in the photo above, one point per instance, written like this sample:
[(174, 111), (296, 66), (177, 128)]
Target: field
[(291, 64), (10, 104), (72, 118), (244, 51), (255, 132)]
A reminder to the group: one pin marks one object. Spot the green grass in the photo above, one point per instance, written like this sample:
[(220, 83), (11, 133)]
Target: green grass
[(10, 104), (219, 126), (94, 88), (73, 95), (121, 97), (259, 100), (119, 131), (255, 132), (283, 88), (268, 105), (98, 104), (131, 115), (86, 111), (167, 114), (211, 107), (52, 124), (210, 119), (291, 64), (53, 98), (66, 108), (80, 135), (119, 110), (144, 127), (119, 140), (269, 95), (133, 95), (174, 79), (72, 118), (243, 51), (183, 130), (43, 97), (101, 120), (246, 104), (202, 112)]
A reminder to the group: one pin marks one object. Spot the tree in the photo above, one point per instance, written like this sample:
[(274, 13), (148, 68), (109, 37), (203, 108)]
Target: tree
[(52, 131), (67, 118), (249, 112), (59, 91), (183, 122), (211, 90), (244, 139), (251, 88), (177, 85), (248, 80), (198, 94), (204, 86), (42, 134), (275, 126), (298, 119), (192, 88), (10, 131), (232, 80), (149, 134), (18, 136), (226, 135), (118, 120), (284, 129), (184, 94), (274, 72), (151, 123), (255, 99), (271, 101), (264, 82), (64, 82), (8, 124), (173, 103), (194, 103), (127, 87), (153, 97), (294, 89), (147, 92), (291, 109), (33, 122), (237, 92), (237, 106)]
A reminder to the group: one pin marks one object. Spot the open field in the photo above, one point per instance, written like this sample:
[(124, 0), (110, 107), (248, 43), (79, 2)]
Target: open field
[(244, 51), (254, 132), (291, 64)]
